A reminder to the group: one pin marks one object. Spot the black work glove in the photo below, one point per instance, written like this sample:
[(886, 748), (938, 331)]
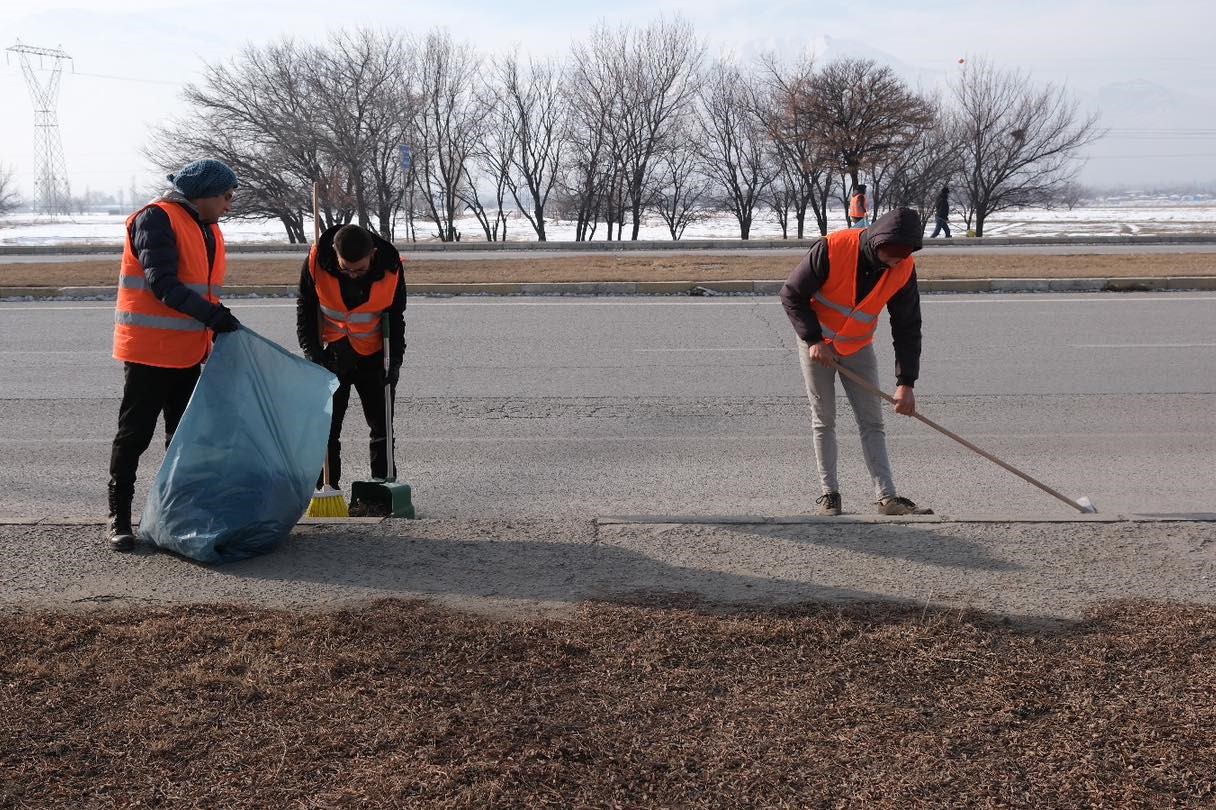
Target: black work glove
[(392, 375), (341, 358), (222, 320)]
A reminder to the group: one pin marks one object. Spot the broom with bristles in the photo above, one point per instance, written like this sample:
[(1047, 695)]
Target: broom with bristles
[(326, 501)]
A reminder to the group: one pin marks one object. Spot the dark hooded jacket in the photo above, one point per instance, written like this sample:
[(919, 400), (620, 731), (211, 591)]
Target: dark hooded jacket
[(901, 226), (355, 291)]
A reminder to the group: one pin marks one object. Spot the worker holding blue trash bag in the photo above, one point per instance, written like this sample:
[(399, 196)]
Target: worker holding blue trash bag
[(352, 286), (167, 313)]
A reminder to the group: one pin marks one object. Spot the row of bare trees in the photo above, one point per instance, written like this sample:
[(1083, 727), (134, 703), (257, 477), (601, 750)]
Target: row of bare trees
[(636, 122)]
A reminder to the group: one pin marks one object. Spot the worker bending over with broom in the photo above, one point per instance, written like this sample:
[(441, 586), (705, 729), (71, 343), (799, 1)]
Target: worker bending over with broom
[(167, 312), (353, 284), (833, 299)]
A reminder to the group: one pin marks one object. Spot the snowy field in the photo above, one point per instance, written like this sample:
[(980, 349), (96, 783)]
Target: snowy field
[(1125, 217)]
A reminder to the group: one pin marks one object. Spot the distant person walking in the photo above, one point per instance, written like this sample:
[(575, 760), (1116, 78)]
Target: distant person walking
[(859, 207), (168, 309), (833, 299), (941, 212)]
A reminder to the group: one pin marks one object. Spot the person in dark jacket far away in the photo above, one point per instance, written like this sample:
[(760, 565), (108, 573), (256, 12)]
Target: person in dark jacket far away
[(168, 310), (941, 213), (351, 279), (833, 299)]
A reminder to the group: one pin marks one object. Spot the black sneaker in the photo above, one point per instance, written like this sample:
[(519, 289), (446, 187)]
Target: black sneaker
[(829, 504), (901, 506)]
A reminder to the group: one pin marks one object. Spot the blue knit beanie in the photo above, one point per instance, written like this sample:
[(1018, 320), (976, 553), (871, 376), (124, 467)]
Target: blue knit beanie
[(203, 178)]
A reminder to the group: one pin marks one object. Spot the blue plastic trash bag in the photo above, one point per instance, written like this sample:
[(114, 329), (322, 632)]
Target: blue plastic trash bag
[(242, 465)]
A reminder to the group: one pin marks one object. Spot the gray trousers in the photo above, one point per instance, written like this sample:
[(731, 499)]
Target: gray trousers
[(821, 391)]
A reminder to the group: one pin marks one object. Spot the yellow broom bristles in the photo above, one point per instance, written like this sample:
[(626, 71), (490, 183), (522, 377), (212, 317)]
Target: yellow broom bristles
[(328, 502)]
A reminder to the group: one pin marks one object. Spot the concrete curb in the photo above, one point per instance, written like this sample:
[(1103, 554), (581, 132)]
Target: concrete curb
[(691, 288), (740, 520)]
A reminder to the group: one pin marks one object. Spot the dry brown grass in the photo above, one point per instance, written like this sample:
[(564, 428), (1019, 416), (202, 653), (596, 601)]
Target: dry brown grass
[(646, 705), (626, 267)]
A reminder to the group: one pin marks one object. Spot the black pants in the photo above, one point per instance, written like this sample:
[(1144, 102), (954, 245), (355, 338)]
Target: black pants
[(147, 392), (941, 225), (368, 380)]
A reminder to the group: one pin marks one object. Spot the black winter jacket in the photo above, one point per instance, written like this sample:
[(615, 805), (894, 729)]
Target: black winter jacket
[(355, 291), (902, 225), (155, 246)]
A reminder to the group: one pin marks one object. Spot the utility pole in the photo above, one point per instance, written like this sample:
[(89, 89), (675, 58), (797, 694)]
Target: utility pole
[(51, 193)]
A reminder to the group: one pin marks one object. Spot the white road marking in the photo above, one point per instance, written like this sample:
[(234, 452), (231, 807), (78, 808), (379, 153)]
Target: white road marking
[(1143, 345)]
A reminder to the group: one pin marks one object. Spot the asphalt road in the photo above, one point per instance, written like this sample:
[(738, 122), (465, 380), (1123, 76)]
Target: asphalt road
[(582, 407)]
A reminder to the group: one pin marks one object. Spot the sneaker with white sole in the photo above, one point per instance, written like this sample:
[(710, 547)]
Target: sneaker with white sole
[(829, 503), (901, 506)]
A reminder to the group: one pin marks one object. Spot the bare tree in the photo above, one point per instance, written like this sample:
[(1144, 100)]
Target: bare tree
[(862, 114), (803, 167), (536, 108), (680, 190), (493, 156), (9, 199), (258, 115), (914, 177), (357, 79), (652, 72), (591, 99), (448, 127), (1020, 142), (732, 143)]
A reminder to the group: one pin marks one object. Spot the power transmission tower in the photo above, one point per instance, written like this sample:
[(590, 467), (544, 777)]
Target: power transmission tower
[(51, 193)]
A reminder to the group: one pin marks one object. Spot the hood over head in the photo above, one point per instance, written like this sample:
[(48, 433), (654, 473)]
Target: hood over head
[(901, 226)]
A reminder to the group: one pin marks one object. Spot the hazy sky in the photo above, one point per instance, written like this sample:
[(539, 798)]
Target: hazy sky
[(1150, 65)]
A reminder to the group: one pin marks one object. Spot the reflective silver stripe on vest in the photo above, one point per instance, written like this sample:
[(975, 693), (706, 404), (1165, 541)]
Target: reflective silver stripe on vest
[(141, 283), (157, 322), (828, 333), (855, 314), (353, 317)]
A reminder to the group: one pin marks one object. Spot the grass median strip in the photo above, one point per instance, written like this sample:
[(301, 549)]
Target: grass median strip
[(625, 267), (658, 702)]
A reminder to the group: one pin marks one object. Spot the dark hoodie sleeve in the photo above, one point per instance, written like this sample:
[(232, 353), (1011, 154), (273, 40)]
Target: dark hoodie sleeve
[(396, 320), (808, 276), (155, 245), (308, 327), (904, 310)]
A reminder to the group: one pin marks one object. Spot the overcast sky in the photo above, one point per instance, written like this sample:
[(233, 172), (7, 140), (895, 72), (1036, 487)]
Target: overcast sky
[(1149, 64)]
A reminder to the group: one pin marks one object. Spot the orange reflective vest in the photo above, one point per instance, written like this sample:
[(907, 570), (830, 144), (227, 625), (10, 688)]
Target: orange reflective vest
[(145, 330), (857, 206), (847, 326), (360, 325)]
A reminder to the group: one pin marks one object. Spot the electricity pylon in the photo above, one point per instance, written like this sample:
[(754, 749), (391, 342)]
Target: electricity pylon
[(51, 193)]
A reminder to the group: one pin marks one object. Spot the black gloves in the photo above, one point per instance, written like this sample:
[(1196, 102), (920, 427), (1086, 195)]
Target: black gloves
[(222, 320), (394, 374)]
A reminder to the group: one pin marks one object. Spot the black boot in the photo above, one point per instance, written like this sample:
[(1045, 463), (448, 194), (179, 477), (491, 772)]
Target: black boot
[(119, 525)]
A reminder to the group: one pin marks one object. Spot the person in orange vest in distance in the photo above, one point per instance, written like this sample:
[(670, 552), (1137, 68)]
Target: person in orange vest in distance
[(859, 207), (833, 299), (167, 312), (349, 281)]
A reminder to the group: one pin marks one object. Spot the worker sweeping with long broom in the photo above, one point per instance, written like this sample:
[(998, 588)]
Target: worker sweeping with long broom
[(833, 299), (351, 282)]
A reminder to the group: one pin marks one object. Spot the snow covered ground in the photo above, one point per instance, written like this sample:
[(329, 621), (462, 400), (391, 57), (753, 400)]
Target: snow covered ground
[(1154, 216)]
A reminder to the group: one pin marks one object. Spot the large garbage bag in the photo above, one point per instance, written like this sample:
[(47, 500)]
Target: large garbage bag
[(242, 465)]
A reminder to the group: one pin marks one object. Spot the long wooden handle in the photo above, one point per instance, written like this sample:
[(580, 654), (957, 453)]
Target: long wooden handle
[(857, 378), (316, 237)]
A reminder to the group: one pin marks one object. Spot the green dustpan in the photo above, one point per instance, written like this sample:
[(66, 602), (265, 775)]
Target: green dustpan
[(383, 497)]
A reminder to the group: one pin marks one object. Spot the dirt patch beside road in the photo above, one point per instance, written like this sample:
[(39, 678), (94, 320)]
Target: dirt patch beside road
[(648, 705), (626, 267)]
